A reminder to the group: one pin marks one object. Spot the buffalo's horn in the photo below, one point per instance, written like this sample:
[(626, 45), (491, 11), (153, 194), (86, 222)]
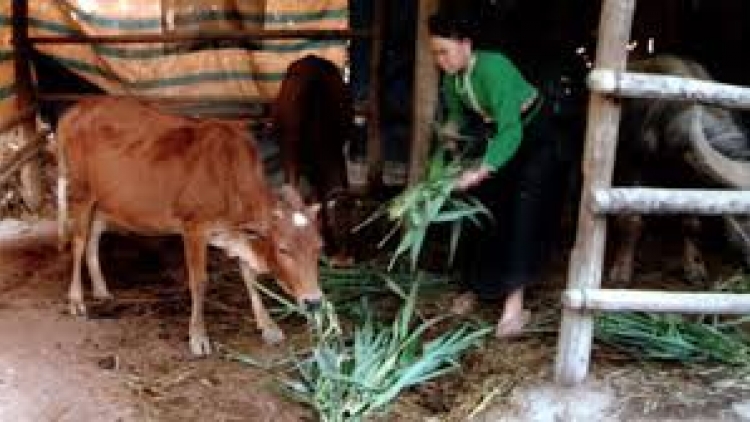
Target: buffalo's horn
[(733, 173)]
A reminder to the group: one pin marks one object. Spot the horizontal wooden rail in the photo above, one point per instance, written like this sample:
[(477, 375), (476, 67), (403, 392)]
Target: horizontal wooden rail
[(648, 85), (670, 201), (173, 36), (620, 300)]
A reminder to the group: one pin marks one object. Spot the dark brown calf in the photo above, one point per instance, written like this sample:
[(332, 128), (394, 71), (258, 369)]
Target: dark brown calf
[(312, 119)]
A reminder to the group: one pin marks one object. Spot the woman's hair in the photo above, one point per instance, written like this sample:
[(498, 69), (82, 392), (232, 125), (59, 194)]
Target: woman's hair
[(456, 27)]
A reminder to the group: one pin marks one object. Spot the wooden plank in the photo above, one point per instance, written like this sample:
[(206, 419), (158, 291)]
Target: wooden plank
[(670, 201), (425, 94), (647, 85), (585, 268), (176, 36), (620, 300)]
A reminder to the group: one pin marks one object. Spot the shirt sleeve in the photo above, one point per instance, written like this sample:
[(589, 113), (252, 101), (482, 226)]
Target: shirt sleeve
[(506, 112)]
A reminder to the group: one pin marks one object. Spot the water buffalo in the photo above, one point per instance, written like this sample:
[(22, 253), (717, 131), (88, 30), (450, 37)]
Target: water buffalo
[(679, 144)]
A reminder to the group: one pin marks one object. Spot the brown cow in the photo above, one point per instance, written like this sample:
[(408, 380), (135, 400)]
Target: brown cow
[(134, 168)]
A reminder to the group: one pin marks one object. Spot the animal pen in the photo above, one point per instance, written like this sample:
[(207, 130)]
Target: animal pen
[(584, 296)]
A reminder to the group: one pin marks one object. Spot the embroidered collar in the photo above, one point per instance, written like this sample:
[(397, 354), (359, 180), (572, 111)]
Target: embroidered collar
[(463, 85)]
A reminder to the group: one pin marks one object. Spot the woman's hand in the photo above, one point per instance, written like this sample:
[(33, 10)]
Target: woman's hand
[(472, 177)]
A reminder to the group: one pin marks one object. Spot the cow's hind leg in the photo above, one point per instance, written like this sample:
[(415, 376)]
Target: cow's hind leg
[(81, 228), (630, 228), (692, 260), (99, 285), (271, 332), (195, 257)]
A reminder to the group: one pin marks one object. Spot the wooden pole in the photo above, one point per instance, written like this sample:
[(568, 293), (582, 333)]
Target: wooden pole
[(618, 300), (374, 141), (647, 85), (31, 173), (425, 95), (670, 201), (585, 268)]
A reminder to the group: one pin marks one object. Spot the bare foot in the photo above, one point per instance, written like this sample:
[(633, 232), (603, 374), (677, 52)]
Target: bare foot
[(464, 303), (509, 327)]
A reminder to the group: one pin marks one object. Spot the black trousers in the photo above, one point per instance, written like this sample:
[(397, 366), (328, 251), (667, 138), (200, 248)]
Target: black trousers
[(525, 199)]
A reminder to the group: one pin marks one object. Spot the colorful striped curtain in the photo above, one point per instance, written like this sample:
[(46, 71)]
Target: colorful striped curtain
[(177, 69)]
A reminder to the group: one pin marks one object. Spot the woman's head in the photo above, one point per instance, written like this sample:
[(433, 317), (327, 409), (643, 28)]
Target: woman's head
[(450, 40)]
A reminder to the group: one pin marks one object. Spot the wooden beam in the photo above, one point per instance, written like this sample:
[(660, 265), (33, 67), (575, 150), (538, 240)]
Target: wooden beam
[(425, 94), (585, 268), (620, 300), (670, 201), (240, 35), (31, 173), (647, 85), (374, 136)]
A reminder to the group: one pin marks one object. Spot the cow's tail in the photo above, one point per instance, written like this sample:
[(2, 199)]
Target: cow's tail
[(62, 195)]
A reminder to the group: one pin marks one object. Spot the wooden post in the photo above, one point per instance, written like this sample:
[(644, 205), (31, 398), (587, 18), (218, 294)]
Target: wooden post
[(585, 268), (374, 141), (31, 172), (425, 95)]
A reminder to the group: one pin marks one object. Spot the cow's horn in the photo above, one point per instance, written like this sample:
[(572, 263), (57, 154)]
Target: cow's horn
[(733, 173)]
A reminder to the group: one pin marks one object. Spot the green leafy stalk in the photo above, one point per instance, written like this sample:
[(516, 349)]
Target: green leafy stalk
[(348, 380), (429, 201), (674, 337)]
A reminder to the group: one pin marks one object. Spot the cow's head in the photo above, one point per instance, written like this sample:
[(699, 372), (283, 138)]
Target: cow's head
[(294, 246)]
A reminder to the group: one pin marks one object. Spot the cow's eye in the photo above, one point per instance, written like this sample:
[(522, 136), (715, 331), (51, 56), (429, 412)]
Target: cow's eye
[(285, 250)]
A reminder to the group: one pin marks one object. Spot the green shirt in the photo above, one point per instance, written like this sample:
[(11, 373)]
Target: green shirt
[(497, 92)]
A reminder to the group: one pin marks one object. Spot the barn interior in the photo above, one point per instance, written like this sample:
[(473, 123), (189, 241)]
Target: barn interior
[(140, 361)]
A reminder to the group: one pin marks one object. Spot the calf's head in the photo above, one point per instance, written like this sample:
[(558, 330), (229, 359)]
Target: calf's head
[(293, 248)]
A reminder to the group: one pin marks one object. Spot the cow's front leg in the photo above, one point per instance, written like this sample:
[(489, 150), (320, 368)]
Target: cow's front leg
[(630, 228), (271, 332), (693, 264), (81, 227), (100, 290), (195, 255)]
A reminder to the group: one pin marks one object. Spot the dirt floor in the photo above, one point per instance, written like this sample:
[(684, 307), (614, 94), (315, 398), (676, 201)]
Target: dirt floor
[(131, 363)]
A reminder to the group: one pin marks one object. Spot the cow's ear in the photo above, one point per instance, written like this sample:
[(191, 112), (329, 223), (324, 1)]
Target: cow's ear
[(314, 209), (291, 196)]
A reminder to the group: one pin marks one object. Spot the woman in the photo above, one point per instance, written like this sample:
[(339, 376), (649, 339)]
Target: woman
[(518, 177)]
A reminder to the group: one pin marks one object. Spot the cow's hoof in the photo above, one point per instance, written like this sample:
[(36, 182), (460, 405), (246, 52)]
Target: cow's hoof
[(273, 335), (77, 309), (200, 345)]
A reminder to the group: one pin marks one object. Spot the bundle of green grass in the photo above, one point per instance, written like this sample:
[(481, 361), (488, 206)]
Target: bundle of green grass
[(430, 201)]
